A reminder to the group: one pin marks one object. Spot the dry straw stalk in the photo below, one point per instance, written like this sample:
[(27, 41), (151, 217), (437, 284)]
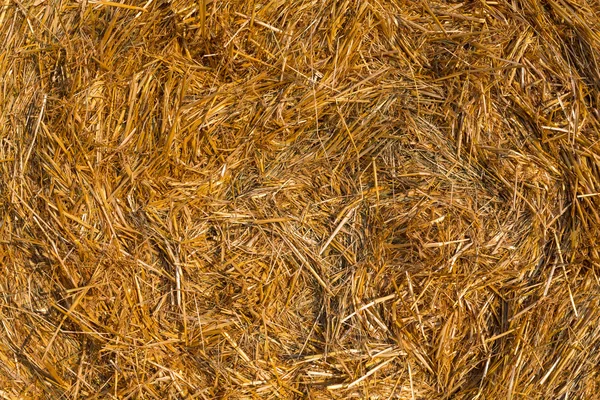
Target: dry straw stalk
[(333, 199)]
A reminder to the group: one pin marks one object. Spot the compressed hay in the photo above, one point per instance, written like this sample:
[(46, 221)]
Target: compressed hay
[(313, 199)]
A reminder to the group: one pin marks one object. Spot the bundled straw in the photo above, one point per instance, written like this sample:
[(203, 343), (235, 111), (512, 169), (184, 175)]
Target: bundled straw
[(326, 199)]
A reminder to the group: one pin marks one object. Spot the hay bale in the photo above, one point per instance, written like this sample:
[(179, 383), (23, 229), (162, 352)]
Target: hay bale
[(316, 199)]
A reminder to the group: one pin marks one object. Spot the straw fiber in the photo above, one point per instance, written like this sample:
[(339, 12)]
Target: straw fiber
[(312, 199)]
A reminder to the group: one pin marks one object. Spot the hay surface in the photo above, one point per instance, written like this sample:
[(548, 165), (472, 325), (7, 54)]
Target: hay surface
[(312, 199)]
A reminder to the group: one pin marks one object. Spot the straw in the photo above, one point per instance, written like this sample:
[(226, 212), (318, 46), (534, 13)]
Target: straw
[(299, 199)]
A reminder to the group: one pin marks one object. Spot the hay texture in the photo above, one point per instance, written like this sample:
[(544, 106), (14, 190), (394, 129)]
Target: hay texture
[(313, 199)]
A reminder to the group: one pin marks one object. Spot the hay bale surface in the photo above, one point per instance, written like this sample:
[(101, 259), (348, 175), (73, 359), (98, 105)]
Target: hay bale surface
[(312, 199)]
